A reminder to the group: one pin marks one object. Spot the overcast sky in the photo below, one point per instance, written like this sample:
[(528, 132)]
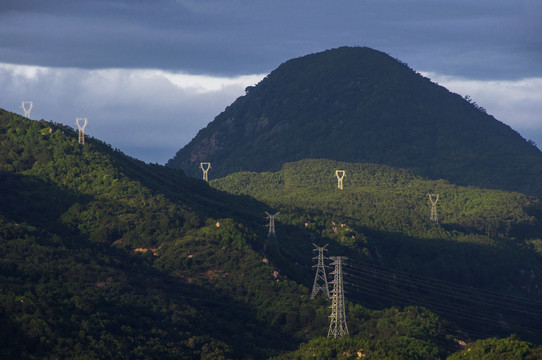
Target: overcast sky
[(148, 74)]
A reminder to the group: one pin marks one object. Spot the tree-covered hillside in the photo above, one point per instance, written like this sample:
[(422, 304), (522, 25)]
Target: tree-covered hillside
[(104, 256), (361, 105), (481, 267), (510, 348)]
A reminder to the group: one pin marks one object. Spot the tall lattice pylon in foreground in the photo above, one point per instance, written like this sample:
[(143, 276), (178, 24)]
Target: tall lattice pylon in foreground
[(337, 325), (320, 279), (434, 215)]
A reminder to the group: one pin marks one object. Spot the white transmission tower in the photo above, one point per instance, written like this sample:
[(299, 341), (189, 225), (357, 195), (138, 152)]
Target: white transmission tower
[(271, 224), (340, 174), (337, 325), (26, 111), (205, 166), (81, 123), (434, 216), (271, 235), (320, 279)]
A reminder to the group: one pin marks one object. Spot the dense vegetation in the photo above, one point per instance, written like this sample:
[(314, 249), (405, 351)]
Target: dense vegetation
[(405, 347), (103, 256), (481, 267), (510, 348), (361, 105)]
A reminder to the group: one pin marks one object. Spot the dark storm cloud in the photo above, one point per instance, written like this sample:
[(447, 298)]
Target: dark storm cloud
[(490, 50), (483, 39)]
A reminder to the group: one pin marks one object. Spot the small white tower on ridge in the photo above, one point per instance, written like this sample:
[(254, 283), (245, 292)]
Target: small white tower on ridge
[(81, 123), (24, 104)]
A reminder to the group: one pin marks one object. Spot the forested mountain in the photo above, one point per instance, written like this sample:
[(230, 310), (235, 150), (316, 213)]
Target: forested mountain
[(361, 105), (104, 256), (480, 267)]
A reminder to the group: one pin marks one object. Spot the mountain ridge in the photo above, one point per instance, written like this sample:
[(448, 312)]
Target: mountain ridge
[(361, 105)]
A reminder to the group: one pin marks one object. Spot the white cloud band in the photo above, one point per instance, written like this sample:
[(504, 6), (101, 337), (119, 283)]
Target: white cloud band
[(150, 114)]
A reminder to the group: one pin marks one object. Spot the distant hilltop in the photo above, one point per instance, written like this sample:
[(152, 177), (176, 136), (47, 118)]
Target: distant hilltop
[(357, 104)]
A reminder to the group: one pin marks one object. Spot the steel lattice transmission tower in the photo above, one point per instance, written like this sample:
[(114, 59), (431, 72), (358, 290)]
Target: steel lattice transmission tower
[(271, 236), (337, 325), (24, 107), (205, 166), (81, 123), (434, 215), (271, 224), (320, 279), (340, 174)]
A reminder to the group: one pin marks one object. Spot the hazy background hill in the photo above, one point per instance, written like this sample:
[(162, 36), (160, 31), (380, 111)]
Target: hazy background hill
[(361, 105)]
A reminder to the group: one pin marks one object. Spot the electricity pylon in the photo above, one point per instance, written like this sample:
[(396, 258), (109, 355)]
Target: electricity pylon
[(81, 123), (340, 176), (271, 224), (320, 279), (271, 236), (434, 216), (205, 166), (337, 325), (26, 111)]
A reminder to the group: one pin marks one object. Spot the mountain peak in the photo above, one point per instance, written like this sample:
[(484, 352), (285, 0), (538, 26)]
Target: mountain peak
[(357, 104)]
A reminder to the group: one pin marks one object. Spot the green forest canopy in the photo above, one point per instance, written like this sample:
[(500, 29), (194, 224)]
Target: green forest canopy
[(104, 256)]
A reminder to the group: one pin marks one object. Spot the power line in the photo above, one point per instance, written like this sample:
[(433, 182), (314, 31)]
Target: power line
[(442, 285), (448, 299)]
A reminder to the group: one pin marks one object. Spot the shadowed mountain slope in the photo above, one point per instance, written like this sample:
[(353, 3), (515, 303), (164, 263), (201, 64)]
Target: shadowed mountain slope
[(105, 257), (361, 105)]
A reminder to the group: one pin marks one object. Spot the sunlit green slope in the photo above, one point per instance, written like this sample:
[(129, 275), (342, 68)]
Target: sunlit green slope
[(480, 267)]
